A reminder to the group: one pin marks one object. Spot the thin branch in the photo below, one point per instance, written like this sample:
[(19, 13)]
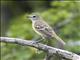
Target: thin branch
[(50, 50), (73, 43)]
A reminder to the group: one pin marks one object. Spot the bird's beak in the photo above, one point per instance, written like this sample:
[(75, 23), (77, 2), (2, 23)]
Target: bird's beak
[(28, 16)]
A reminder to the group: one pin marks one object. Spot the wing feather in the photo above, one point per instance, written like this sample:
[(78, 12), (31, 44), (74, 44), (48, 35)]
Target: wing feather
[(43, 28)]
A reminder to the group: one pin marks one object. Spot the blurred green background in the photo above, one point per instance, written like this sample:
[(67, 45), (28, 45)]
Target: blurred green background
[(63, 16)]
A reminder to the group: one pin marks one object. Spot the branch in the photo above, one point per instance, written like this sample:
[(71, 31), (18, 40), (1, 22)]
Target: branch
[(73, 43), (50, 50)]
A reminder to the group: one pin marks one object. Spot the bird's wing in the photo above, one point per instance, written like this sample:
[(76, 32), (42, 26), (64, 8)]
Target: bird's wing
[(44, 28)]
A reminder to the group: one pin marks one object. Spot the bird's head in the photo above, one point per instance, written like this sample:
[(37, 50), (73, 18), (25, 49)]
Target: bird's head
[(34, 17)]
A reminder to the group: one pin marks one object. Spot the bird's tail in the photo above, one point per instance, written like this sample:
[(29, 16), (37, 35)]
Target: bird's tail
[(59, 39)]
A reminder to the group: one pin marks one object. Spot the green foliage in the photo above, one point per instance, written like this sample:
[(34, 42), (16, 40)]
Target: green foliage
[(16, 52), (20, 27)]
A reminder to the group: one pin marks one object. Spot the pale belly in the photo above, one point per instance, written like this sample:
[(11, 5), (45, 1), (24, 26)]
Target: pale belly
[(36, 30)]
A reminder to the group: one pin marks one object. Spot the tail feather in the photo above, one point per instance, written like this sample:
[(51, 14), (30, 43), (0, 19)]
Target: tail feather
[(59, 39)]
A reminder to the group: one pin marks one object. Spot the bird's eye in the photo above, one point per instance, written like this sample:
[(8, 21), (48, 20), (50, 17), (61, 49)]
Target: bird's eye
[(34, 16)]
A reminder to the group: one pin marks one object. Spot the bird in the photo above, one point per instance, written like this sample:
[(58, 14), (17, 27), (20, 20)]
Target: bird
[(42, 28)]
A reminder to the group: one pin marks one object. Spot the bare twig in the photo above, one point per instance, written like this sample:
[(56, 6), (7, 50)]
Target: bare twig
[(50, 50), (73, 43)]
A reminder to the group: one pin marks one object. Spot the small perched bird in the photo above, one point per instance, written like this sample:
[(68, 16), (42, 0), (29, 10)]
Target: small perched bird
[(42, 28)]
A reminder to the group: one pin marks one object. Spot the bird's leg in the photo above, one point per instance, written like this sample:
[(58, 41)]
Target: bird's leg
[(39, 40)]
